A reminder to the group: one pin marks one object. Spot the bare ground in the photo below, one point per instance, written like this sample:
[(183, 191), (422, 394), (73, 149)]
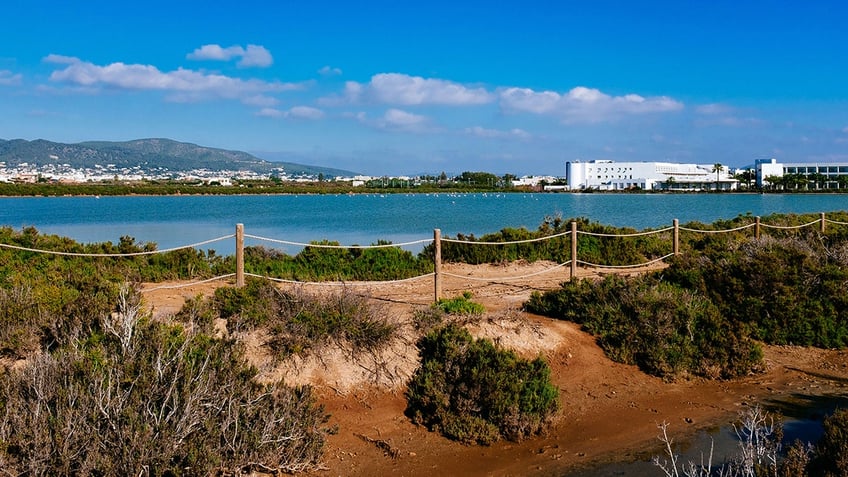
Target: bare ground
[(609, 411)]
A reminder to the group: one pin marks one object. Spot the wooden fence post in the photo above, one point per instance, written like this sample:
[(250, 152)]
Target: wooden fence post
[(573, 249), (437, 263), (676, 247), (757, 228), (822, 222), (239, 255)]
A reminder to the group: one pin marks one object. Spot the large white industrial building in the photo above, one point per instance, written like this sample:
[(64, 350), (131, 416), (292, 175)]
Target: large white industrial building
[(612, 175), (829, 173)]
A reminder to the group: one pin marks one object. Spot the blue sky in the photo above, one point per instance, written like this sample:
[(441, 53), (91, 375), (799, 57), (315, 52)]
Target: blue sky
[(390, 87)]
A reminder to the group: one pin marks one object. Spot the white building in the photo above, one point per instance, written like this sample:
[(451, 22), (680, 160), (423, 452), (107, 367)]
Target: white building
[(829, 172), (612, 175)]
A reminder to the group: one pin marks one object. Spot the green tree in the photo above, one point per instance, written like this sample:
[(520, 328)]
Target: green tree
[(717, 168)]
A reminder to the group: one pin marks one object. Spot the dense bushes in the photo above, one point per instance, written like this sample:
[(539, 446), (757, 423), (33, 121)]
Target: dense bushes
[(666, 330), (590, 248), (298, 322), (472, 391), (321, 263), (129, 395), (788, 290)]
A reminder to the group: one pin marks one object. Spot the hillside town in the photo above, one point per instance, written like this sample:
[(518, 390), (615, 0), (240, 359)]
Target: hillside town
[(599, 175)]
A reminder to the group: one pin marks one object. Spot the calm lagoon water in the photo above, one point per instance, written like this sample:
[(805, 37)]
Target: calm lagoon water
[(175, 221)]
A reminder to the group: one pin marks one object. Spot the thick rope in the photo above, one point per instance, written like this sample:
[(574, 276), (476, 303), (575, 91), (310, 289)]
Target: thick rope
[(635, 234), (186, 285), (836, 222), (539, 239), (789, 227), (100, 255), (595, 265), (743, 227), (334, 284), (298, 244), (506, 279)]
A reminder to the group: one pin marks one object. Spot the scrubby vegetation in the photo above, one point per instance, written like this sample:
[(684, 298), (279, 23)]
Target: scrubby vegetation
[(470, 390), (298, 322), (666, 330), (318, 263), (115, 393), (557, 248), (703, 313)]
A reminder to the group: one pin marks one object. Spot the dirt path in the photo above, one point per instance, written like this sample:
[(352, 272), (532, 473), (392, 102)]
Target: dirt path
[(609, 411)]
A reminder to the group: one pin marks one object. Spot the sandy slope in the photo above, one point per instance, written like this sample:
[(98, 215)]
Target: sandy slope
[(610, 411)]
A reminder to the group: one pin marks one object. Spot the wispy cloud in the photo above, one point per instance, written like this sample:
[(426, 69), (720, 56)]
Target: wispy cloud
[(7, 78), (297, 112), (329, 71), (713, 109), (514, 133), (251, 56), (396, 120), (180, 85), (583, 105), (405, 90)]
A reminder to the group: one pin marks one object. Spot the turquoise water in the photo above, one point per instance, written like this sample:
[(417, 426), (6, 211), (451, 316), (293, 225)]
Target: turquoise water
[(365, 218)]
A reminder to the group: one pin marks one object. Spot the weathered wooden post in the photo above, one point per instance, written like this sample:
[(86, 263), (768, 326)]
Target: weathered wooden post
[(822, 222), (573, 249), (676, 247), (239, 255), (437, 263), (757, 228)]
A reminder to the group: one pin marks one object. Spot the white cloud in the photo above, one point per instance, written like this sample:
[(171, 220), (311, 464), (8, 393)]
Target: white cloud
[(329, 71), (395, 120), (845, 129), (297, 112), (256, 55), (305, 112), (583, 105), (713, 108), (401, 89), (270, 113), (253, 55), (181, 85), (514, 133), (7, 78)]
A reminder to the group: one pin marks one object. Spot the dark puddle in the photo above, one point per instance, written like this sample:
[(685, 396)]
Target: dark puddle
[(802, 417)]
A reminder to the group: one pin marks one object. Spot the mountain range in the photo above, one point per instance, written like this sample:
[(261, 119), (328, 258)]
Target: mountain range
[(149, 154)]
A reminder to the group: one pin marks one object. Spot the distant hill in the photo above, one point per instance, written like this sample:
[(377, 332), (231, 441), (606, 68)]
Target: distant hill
[(150, 154)]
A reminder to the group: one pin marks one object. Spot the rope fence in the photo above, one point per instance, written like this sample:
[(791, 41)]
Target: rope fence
[(437, 275)]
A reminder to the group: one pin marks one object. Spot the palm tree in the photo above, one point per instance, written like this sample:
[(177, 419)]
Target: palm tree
[(717, 168)]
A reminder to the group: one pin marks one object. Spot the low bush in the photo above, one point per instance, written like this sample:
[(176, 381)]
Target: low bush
[(460, 305), (299, 322), (132, 396), (664, 329), (470, 390)]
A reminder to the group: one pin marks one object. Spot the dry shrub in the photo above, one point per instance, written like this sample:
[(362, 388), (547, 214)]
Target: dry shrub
[(137, 397)]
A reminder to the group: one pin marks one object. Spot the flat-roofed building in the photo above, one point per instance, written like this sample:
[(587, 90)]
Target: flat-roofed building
[(612, 175)]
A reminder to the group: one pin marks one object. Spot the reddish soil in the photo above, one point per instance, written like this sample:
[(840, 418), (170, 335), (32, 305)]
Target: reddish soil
[(609, 411)]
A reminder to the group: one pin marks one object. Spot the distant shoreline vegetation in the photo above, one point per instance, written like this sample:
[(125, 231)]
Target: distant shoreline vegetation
[(276, 186)]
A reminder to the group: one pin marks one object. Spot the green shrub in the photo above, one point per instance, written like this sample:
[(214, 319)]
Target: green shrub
[(472, 391), (831, 451), (298, 322), (460, 305), (664, 329)]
